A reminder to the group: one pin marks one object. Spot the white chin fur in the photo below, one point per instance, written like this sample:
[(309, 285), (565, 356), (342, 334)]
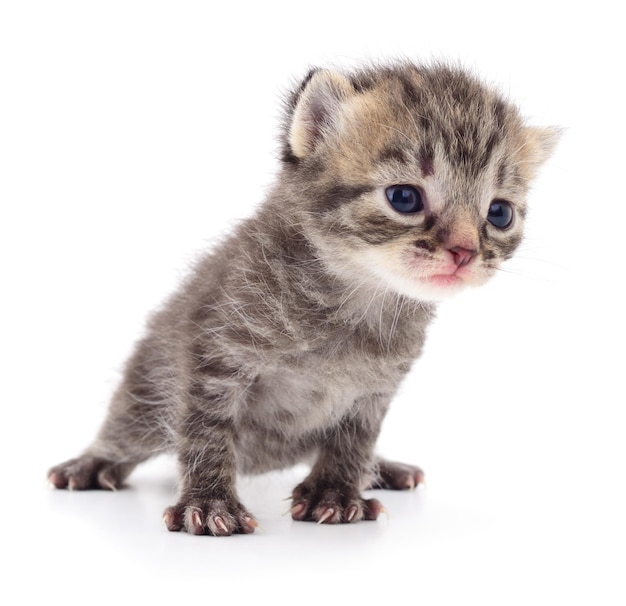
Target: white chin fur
[(420, 290), (413, 285), (372, 268)]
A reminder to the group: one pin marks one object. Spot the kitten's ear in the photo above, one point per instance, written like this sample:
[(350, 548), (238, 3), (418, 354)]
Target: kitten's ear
[(317, 110), (538, 147)]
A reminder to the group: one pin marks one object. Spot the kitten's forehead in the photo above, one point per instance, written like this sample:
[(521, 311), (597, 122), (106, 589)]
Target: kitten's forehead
[(434, 116)]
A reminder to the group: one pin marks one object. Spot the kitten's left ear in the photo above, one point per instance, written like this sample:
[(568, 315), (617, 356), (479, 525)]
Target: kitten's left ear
[(538, 147), (317, 110)]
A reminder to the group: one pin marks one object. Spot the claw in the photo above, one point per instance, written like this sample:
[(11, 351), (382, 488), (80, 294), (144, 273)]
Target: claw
[(352, 511), (108, 484), (297, 510), (219, 522), (168, 520), (54, 480), (196, 519), (250, 521), (329, 513)]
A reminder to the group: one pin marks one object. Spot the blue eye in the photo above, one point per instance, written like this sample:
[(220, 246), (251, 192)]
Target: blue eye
[(405, 198), (500, 214)]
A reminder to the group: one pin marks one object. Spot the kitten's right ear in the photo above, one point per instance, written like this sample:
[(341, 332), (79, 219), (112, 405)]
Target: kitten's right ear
[(317, 110), (538, 147)]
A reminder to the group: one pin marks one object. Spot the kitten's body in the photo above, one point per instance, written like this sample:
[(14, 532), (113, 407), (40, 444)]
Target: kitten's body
[(288, 342)]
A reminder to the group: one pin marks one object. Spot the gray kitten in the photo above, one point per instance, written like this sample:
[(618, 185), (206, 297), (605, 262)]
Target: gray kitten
[(399, 186)]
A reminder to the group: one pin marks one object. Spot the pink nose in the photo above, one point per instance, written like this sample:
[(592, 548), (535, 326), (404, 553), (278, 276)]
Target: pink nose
[(462, 256)]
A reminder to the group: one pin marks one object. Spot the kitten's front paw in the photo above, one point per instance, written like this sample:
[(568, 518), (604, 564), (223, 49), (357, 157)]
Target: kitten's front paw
[(332, 505), (215, 517)]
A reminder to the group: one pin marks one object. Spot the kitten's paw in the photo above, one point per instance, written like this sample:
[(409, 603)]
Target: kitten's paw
[(209, 516), (89, 472), (332, 506), (397, 476)]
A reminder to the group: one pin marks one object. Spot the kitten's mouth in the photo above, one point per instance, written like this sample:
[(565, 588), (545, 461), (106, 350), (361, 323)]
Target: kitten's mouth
[(445, 279), (444, 274)]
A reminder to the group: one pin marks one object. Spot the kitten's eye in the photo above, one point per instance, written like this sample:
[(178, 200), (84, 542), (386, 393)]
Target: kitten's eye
[(405, 199), (500, 214)]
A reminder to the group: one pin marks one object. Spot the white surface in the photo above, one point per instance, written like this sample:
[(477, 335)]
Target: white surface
[(131, 133)]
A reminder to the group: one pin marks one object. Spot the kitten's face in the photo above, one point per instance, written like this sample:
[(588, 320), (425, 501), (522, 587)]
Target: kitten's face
[(415, 180), (433, 250), (426, 235)]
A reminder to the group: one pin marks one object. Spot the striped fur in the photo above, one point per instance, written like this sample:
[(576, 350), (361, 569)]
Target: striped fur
[(288, 341)]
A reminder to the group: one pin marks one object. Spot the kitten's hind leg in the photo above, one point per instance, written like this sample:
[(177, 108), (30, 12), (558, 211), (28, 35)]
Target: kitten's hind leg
[(133, 431), (125, 440), (88, 472), (392, 475)]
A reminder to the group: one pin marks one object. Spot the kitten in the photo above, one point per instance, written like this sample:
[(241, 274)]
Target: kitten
[(399, 186)]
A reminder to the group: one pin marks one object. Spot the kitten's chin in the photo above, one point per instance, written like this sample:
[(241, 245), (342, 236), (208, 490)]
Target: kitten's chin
[(433, 288), (384, 272)]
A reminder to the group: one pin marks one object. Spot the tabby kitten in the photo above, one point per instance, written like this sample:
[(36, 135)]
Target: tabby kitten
[(400, 185)]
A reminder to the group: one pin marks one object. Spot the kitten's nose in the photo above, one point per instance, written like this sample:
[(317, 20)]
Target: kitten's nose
[(462, 256)]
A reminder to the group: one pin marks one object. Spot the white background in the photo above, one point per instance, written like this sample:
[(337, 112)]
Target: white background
[(132, 133)]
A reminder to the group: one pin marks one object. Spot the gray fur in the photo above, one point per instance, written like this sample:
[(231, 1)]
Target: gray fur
[(288, 342)]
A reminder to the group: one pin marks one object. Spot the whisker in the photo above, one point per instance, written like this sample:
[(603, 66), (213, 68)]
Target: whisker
[(524, 274)]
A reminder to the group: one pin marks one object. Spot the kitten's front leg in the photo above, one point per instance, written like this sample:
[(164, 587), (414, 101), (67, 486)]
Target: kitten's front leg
[(208, 502), (331, 493)]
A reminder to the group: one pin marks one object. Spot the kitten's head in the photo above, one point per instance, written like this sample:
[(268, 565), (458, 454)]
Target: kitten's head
[(411, 178)]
